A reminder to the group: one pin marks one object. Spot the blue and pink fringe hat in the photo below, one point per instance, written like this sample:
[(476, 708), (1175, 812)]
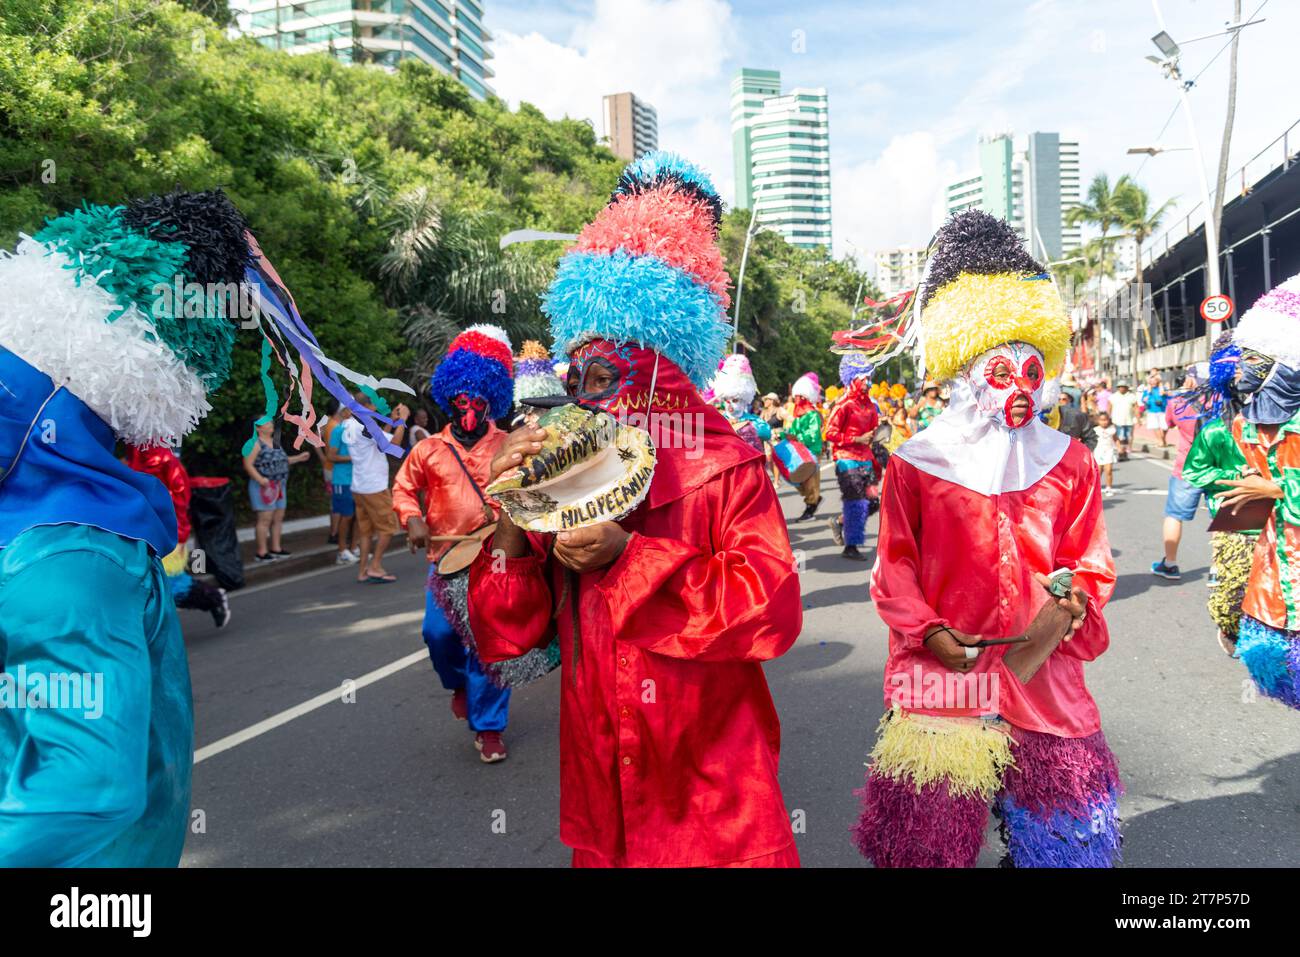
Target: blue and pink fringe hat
[(648, 269), (478, 362)]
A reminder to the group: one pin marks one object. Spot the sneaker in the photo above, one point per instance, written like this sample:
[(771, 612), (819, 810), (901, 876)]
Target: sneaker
[(1229, 645), (1108, 493), (837, 531), (280, 554), (851, 552), (264, 559), (221, 614), (460, 704), (355, 552), (490, 746), (1166, 571), (345, 557)]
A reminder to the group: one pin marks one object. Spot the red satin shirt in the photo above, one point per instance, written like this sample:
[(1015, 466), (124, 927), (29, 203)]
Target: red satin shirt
[(947, 555), (850, 419), (669, 741)]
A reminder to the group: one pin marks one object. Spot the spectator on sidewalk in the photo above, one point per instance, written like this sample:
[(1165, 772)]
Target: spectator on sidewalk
[(419, 430), (1102, 396), (376, 522), (267, 466), (1075, 423), (326, 428), (1183, 498), (1104, 451), (1123, 412), (342, 507), (1155, 401)]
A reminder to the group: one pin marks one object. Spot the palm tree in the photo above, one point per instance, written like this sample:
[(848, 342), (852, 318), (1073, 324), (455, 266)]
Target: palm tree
[(1102, 208), (1138, 220), (443, 270)]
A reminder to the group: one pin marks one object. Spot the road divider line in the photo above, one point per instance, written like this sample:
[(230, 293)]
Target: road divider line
[(297, 711)]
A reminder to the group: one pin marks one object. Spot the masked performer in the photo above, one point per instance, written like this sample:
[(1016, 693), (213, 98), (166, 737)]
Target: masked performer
[(115, 322), (976, 511), (473, 385), (1214, 458), (851, 429), (669, 740), (1268, 433), (807, 428), (187, 591), (535, 373), (734, 388)]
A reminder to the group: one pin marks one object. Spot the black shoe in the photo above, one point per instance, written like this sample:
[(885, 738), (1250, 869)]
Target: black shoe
[(221, 614), (333, 540), (280, 554), (851, 552), (264, 559), (837, 531)]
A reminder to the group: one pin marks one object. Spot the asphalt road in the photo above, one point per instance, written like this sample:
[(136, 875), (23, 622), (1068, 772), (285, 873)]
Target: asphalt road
[(388, 778)]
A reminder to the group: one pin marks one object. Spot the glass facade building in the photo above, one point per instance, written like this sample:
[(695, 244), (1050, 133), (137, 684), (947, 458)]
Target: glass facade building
[(447, 34)]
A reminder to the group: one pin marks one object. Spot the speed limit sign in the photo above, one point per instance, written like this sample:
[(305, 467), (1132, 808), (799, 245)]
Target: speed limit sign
[(1216, 308)]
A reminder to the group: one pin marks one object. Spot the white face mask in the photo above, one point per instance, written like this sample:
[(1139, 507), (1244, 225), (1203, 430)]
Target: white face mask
[(1004, 376), (735, 407)]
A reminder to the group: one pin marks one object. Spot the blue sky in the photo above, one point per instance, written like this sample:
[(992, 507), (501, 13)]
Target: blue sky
[(911, 85)]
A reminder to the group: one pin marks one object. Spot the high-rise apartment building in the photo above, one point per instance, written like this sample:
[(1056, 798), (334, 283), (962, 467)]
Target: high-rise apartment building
[(899, 269), (631, 126), (1030, 182), (447, 34), (781, 147)]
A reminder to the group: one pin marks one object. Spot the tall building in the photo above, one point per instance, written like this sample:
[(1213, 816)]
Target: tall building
[(781, 147), (1030, 182), (447, 34), (631, 126), (899, 269)]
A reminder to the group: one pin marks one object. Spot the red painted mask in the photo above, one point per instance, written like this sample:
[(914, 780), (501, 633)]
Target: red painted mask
[(470, 411)]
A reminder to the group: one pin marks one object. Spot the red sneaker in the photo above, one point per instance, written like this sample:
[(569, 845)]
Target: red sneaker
[(491, 748), (460, 704)]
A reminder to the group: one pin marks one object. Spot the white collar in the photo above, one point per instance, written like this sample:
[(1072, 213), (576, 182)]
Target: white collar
[(966, 447)]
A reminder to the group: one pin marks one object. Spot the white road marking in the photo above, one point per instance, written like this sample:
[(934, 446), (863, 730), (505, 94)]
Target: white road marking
[(312, 704)]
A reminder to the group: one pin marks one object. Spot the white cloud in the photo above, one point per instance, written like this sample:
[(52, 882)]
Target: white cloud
[(893, 199), (670, 53)]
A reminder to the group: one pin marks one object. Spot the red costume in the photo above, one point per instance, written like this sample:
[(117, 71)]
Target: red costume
[(669, 741), (854, 416), (993, 545)]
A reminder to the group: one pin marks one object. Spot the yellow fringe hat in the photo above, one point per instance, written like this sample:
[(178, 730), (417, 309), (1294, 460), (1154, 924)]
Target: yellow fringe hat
[(983, 289)]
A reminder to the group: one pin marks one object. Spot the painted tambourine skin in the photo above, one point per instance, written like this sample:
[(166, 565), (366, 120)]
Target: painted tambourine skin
[(591, 469)]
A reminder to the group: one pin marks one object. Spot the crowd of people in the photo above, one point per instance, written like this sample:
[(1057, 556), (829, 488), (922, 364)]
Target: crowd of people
[(608, 508)]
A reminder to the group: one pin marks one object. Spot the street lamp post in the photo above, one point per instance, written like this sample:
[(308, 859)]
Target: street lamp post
[(1168, 62), (753, 230)]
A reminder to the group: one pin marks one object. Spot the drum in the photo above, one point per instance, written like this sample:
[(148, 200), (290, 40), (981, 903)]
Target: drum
[(793, 460), (462, 554)]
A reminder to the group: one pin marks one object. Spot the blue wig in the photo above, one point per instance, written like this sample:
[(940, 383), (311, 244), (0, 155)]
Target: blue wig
[(853, 365), (627, 298), (465, 371)]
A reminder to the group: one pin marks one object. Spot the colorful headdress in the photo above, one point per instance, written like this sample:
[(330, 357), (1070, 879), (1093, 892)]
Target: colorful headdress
[(133, 309), (855, 365), (1272, 325), (735, 380), (983, 289), (807, 386), (478, 362), (648, 269), (534, 372)]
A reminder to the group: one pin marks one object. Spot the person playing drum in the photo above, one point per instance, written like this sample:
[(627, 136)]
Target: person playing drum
[(473, 384)]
